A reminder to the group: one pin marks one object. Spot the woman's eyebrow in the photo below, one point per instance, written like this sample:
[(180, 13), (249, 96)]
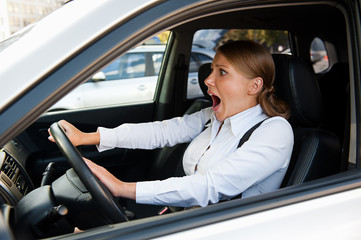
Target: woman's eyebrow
[(221, 66)]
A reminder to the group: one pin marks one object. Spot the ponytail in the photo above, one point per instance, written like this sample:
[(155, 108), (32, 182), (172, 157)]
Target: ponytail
[(272, 105)]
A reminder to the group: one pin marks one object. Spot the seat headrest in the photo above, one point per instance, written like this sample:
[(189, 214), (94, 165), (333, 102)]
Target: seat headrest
[(295, 83), (203, 72)]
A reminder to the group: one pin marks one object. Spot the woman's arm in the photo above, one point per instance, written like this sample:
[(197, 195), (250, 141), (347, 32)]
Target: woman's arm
[(257, 167), (156, 134), (117, 187)]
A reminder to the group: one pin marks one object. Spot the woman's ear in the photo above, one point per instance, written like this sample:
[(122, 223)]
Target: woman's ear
[(255, 86)]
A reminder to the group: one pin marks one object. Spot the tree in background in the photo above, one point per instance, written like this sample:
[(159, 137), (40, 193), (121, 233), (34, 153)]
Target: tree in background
[(276, 41)]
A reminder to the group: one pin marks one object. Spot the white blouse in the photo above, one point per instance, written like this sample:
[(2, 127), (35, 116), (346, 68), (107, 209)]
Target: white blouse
[(216, 169)]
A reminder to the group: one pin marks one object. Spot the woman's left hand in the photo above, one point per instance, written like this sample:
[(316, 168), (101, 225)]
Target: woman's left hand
[(108, 179), (116, 187)]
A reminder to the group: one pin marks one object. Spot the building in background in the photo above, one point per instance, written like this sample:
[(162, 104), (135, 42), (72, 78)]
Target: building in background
[(16, 14)]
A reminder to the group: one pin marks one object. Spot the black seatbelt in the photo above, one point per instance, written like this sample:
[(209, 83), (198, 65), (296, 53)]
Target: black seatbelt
[(249, 133), (245, 138)]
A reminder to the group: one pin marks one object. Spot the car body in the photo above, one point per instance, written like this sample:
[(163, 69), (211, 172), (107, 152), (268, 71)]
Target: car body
[(44, 62), (131, 78)]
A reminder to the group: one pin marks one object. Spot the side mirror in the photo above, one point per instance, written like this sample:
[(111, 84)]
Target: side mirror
[(99, 76)]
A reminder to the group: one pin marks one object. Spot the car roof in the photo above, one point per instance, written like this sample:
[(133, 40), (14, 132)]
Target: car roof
[(48, 42)]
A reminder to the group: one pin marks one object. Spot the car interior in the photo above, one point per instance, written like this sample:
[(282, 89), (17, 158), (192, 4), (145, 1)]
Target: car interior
[(320, 117)]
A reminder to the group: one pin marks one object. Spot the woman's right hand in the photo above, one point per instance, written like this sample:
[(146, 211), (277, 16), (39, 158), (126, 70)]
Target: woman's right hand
[(74, 134)]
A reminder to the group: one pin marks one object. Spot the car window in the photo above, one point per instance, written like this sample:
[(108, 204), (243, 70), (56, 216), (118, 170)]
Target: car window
[(203, 58), (157, 59), (193, 66), (198, 59), (206, 41), (318, 55), (131, 65), (129, 79), (134, 66)]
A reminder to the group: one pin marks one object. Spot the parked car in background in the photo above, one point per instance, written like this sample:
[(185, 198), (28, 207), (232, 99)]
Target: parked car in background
[(132, 78), (319, 57), (43, 194)]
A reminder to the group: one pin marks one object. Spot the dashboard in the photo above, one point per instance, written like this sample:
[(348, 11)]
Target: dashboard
[(14, 181)]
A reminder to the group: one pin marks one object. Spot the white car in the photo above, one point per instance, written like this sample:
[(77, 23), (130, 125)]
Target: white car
[(132, 78), (321, 193)]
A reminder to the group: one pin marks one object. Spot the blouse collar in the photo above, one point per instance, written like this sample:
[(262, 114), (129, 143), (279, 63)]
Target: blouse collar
[(245, 119)]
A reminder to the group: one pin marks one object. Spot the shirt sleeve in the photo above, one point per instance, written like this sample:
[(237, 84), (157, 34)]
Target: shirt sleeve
[(268, 150), (154, 134)]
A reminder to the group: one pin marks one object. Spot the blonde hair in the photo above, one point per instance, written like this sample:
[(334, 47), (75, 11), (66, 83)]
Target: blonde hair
[(254, 60)]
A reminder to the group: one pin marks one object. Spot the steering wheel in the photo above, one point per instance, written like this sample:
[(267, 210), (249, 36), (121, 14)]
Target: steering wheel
[(107, 205)]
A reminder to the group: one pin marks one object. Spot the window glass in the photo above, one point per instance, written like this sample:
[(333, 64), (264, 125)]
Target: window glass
[(205, 43), (129, 79), (134, 66), (198, 59), (157, 59), (318, 55), (203, 58), (193, 66), (112, 71)]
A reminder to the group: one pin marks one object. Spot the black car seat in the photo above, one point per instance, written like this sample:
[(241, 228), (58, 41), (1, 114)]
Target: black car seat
[(203, 72), (316, 152), (168, 160)]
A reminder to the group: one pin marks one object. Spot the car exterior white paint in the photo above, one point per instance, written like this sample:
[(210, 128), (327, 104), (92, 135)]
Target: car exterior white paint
[(305, 220)]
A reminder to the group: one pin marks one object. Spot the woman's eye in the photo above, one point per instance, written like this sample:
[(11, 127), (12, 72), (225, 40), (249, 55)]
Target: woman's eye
[(223, 72)]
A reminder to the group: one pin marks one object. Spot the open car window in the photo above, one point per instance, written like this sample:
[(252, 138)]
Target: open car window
[(130, 79)]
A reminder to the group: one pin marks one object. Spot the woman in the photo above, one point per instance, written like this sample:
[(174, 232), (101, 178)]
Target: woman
[(241, 86)]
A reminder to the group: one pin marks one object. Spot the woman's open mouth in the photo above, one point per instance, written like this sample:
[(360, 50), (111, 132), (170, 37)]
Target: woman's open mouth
[(216, 102)]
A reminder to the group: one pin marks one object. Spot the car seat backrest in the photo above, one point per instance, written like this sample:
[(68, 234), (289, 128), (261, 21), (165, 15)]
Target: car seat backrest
[(316, 152), (296, 84)]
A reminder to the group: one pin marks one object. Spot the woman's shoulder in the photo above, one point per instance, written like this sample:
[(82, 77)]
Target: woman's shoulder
[(275, 130), (277, 120), (200, 117), (277, 123), (207, 111), (205, 114)]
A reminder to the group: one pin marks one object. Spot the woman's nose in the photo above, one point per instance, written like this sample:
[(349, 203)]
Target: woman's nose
[(209, 80)]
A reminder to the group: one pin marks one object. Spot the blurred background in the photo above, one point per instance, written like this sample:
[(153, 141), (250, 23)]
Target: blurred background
[(16, 14)]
